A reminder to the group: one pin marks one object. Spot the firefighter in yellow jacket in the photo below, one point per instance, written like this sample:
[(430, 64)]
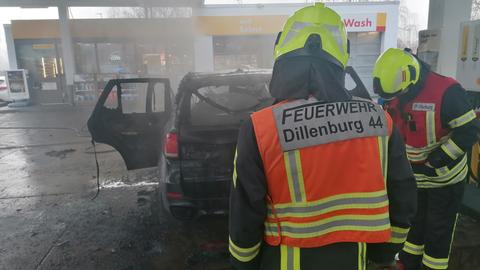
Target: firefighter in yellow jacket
[(321, 178)]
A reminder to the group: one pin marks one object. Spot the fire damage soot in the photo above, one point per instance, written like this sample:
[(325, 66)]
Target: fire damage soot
[(307, 123)]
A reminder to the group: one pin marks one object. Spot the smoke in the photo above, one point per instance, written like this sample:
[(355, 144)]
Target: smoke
[(3, 50)]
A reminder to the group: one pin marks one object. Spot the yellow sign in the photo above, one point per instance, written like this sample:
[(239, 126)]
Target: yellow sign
[(272, 24), (43, 46), (240, 25)]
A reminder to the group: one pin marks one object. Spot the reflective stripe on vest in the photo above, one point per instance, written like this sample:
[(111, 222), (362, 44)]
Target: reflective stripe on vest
[(418, 155), (339, 202), (430, 118), (364, 223), (383, 146), (293, 165), (447, 145)]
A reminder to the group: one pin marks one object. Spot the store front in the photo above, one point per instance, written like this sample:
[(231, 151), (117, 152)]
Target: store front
[(218, 37), (233, 52), (244, 37), (103, 50), (98, 62)]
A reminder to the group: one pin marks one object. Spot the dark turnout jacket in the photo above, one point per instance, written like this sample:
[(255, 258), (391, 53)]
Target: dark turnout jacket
[(248, 206)]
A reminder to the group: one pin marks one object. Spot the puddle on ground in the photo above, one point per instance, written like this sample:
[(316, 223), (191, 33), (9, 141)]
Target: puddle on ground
[(60, 154)]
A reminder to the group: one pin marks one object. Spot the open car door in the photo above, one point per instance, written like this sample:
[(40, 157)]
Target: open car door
[(130, 116)]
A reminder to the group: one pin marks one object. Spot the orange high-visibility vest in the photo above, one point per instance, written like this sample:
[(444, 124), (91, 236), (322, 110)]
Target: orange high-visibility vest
[(325, 165)]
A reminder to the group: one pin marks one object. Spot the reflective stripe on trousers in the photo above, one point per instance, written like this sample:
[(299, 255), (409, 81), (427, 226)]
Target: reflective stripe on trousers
[(362, 256), (290, 258), (439, 263), (434, 263)]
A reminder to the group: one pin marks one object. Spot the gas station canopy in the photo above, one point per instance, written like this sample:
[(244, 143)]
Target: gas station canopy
[(98, 3), (66, 39)]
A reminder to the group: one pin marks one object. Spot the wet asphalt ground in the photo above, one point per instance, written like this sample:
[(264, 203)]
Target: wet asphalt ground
[(48, 219)]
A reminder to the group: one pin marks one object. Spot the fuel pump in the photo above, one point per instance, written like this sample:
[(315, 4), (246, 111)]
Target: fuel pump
[(468, 74)]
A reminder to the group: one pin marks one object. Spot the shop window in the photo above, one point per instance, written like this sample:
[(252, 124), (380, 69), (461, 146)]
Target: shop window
[(166, 59), (151, 59), (233, 52), (85, 58), (42, 62), (116, 58)]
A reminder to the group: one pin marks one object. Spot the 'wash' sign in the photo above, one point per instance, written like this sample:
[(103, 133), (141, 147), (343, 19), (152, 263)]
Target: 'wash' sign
[(365, 22)]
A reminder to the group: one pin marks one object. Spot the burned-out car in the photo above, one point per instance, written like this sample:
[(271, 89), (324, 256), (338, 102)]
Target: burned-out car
[(192, 137), (197, 164)]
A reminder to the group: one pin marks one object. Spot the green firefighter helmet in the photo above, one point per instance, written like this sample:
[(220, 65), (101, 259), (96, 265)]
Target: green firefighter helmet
[(314, 31), (394, 72)]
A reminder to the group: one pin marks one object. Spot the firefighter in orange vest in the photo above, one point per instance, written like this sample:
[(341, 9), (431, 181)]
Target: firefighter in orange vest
[(438, 125), (321, 178)]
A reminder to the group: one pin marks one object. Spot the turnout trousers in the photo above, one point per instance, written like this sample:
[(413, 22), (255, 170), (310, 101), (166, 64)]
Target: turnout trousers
[(338, 256), (431, 234)]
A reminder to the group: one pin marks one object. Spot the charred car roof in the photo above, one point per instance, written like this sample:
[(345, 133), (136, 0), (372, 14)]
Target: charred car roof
[(195, 80)]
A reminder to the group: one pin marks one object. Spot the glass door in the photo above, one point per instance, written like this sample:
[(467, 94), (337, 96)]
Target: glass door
[(45, 69)]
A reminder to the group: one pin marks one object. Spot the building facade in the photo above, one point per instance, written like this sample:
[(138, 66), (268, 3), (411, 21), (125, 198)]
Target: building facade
[(215, 37)]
